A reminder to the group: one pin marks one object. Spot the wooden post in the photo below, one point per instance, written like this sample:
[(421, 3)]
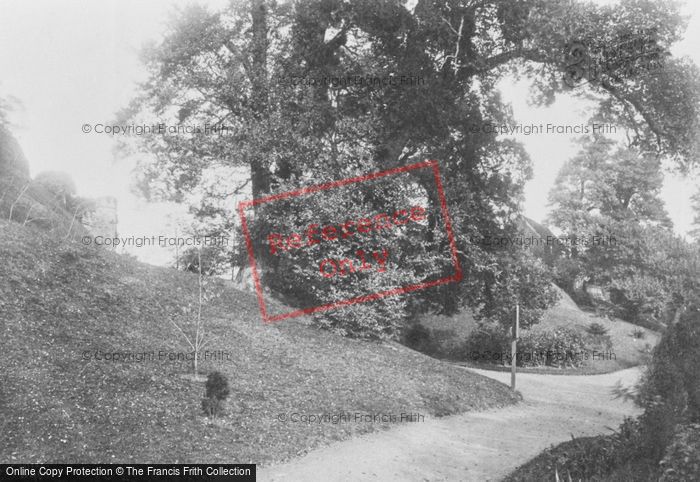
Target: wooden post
[(513, 346)]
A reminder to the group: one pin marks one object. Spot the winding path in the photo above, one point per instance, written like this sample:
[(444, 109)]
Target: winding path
[(473, 446)]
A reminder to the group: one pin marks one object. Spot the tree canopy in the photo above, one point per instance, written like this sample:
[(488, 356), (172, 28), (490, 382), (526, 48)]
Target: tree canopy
[(261, 68)]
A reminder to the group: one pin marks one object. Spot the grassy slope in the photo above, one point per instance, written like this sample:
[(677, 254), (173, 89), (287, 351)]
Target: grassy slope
[(59, 300), (629, 351)]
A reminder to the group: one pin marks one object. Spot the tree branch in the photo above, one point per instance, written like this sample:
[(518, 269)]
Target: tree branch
[(504, 57), (650, 121)]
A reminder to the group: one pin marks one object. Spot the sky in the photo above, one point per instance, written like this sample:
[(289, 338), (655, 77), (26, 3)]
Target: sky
[(76, 62)]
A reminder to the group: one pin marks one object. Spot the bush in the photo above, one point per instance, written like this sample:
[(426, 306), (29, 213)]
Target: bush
[(598, 336), (378, 320), (489, 342), (430, 341), (295, 276), (216, 391), (597, 329), (638, 333), (561, 347), (682, 459), (673, 375), (420, 339), (670, 391), (217, 386)]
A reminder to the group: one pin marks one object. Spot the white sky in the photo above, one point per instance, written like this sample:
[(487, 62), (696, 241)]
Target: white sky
[(72, 62)]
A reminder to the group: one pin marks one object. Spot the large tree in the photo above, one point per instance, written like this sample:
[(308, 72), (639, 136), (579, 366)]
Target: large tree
[(606, 200), (238, 68), (600, 183)]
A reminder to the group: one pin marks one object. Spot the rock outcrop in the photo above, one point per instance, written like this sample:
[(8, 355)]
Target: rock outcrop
[(13, 163)]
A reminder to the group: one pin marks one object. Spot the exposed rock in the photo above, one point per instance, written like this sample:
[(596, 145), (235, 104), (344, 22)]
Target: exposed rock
[(13, 163)]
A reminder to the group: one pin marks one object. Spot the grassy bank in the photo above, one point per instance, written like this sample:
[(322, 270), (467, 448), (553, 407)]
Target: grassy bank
[(65, 307)]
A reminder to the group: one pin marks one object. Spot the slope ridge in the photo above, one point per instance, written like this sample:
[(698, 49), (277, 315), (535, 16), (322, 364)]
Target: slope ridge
[(64, 306)]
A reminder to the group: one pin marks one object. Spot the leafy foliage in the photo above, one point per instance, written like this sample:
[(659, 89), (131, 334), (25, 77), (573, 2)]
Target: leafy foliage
[(671, 389), (682, 459), (235, 68), (409, 253), (521, 279), (489, 338), (560, 348), (598, 184), (648, 272)]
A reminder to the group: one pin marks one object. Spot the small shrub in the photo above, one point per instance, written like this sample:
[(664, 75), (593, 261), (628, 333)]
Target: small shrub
[(432, 342), (415, 333), (216, 391), (217, 386), (597, 329), (417, 337), (562, 347), (638, 333), (488, 343), (598, 336)]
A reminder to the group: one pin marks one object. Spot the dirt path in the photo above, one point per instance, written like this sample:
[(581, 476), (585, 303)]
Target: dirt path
[(474, 446)]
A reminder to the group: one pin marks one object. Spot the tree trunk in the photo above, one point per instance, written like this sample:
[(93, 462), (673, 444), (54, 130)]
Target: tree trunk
[(259, 167)]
